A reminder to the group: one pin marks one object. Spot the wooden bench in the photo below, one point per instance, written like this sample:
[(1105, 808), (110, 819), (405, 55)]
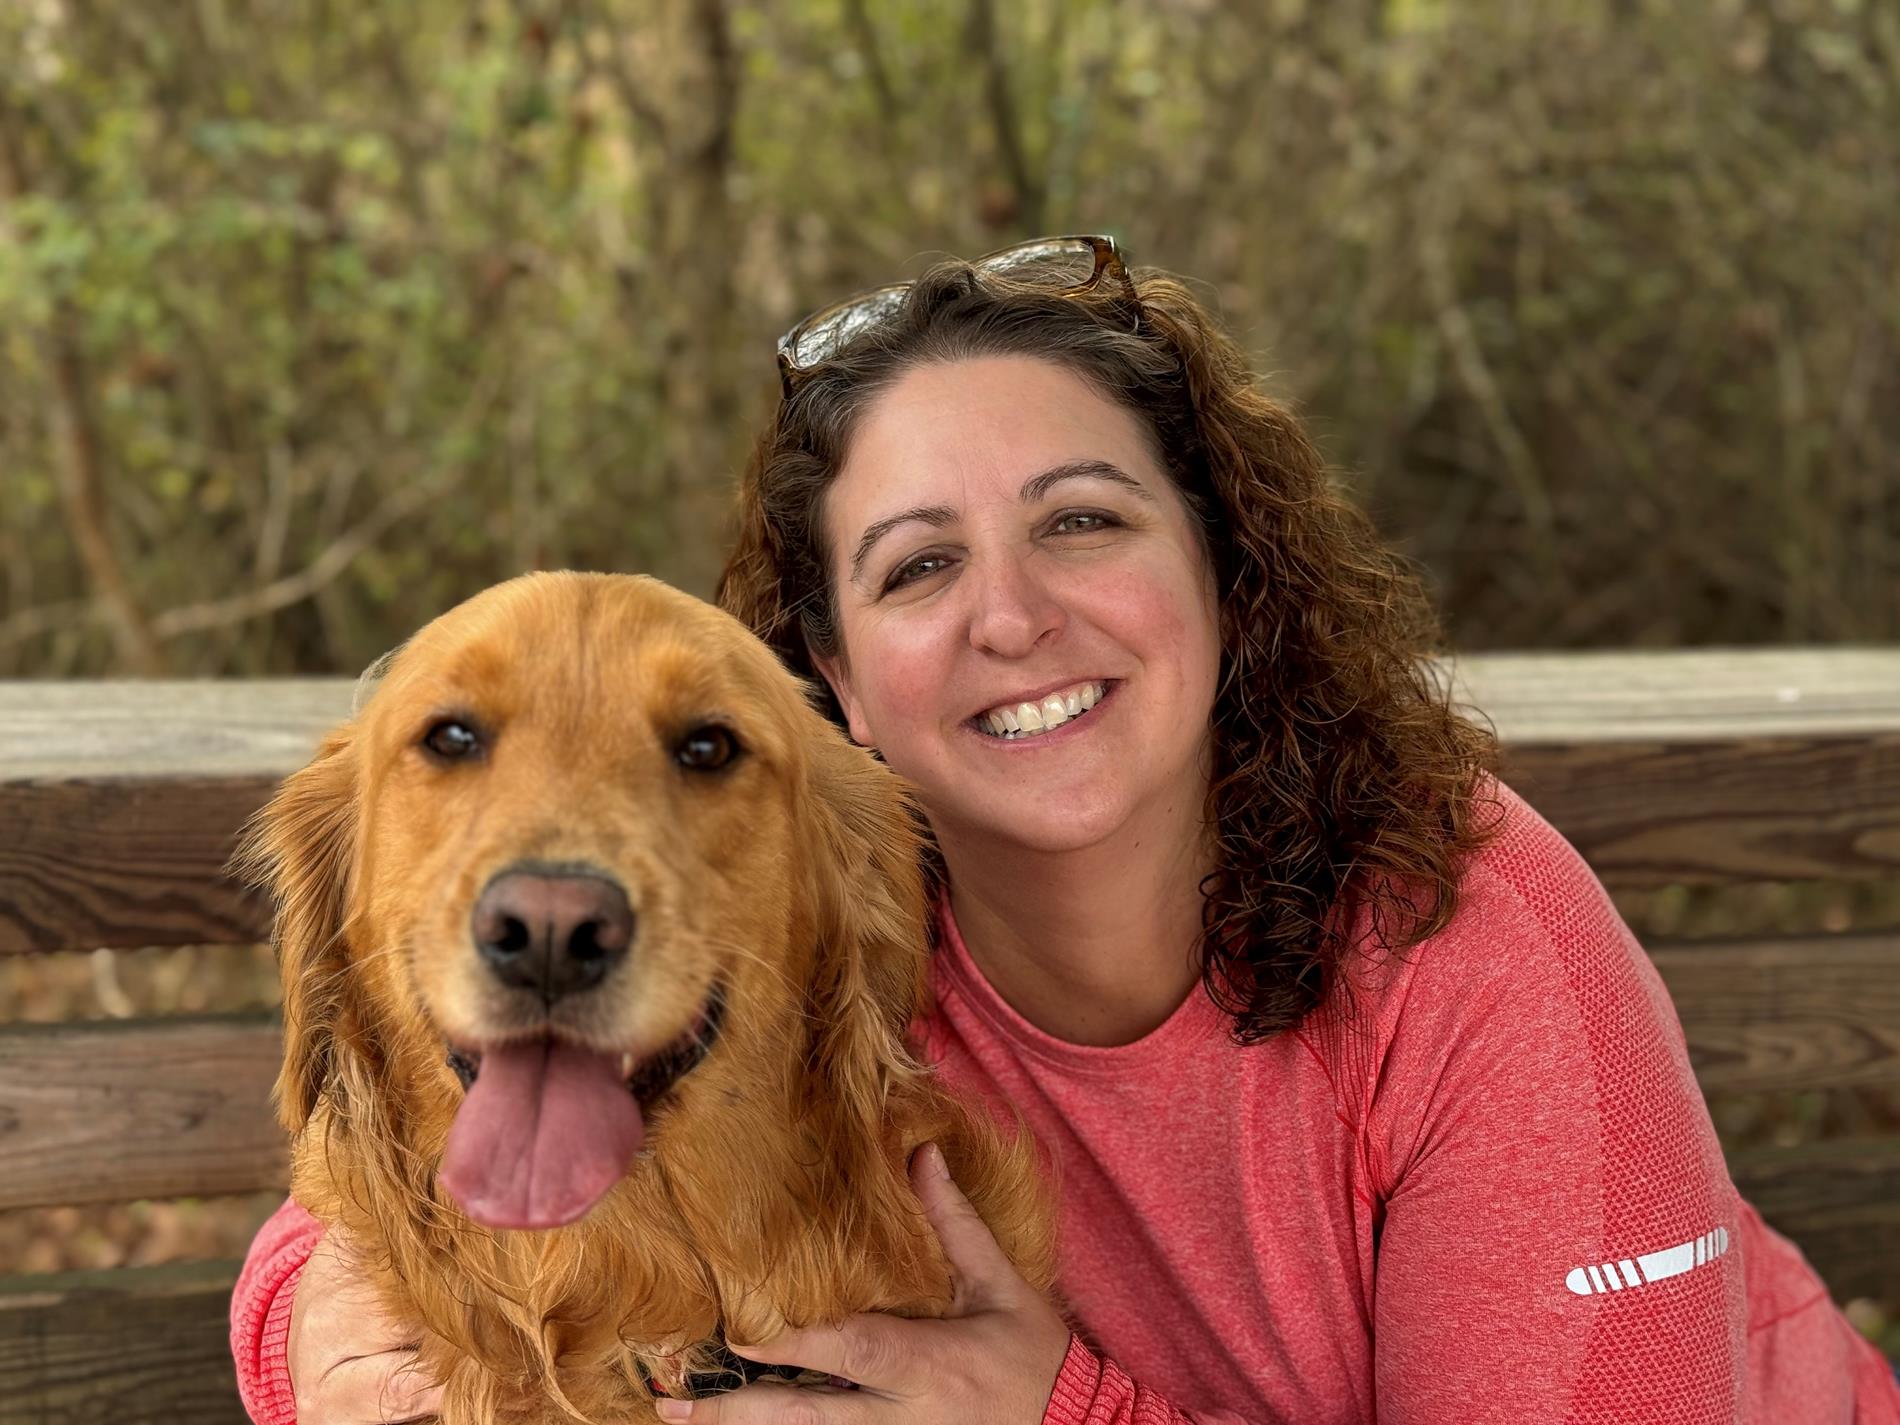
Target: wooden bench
[(119, 802)]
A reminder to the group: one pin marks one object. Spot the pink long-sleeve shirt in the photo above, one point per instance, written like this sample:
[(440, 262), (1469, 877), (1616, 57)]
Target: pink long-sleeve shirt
[(1483, 1187)]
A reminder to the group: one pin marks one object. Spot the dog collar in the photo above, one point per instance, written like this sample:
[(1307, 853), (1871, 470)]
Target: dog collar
[(719, 1379)]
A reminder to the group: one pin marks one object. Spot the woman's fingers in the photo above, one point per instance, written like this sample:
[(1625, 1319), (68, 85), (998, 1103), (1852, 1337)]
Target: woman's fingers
[(350, 1362), (383, 1389), (766, 1403), (380, 1389), (869, 1348)]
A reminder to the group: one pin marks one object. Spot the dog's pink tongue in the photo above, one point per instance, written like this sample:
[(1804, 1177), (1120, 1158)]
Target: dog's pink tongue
[(545, 1130)]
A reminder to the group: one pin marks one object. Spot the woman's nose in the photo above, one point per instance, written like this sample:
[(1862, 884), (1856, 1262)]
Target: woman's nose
[(1013, 610)]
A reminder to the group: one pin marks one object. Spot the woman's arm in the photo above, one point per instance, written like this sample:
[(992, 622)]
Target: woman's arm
[(311, 1342), (1560, 1239), (1002, 1353), (260, 1312), (1093, 1390)]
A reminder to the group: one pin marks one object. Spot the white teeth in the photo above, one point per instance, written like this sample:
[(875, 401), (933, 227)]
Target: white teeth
[(626, 1066), (1028, 719)]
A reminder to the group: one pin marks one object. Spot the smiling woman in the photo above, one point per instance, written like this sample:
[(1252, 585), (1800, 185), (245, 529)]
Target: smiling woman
[(1348, 1068), (1345, 1058), (1044, 483), (1089, 575)]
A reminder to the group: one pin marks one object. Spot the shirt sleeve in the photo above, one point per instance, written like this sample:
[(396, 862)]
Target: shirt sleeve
[(1090, 1389), (1557, 1219), (260, 1313)]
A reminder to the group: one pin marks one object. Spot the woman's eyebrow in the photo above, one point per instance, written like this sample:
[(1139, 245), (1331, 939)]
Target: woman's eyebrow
[(935, 515), (1034, 488)]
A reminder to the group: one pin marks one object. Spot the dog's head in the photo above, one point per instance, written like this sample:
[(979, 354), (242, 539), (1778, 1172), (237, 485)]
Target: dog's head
[(586, 864)]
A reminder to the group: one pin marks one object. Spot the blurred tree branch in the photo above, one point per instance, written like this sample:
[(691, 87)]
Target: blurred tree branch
[(986, 48), (82, 477), (1595, 287)]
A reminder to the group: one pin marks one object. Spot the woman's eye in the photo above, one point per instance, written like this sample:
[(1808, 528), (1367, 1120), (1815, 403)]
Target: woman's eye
[(916, 569), (1081, 522), (706, 749), (452, 741)]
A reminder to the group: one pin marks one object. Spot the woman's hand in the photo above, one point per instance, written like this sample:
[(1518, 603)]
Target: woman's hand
[(993, 1359), (349, 1363)]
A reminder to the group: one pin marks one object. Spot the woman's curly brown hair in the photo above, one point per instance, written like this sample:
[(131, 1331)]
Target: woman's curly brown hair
[(1343, 777)]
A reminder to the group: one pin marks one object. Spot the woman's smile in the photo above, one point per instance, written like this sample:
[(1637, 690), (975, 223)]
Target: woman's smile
[(1038, 717)]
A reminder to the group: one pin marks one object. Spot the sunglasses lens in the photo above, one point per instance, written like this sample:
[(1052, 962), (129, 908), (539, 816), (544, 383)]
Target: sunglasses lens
[(1058, 262), (1065, 264), (828, 331)]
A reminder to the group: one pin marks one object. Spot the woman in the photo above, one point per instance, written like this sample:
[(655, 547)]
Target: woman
[(1367, 1105)]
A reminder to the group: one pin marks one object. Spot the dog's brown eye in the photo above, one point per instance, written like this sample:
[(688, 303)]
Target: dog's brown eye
[(451, 740), (706, 749)]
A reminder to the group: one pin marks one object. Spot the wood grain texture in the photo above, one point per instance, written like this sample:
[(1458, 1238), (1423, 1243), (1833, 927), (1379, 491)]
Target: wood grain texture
[(1690, 695), (126, 862), (110, 1112), (1838, 1201), (137, 1346), (263, 727), (121, 799), (150, 1344), (1775, 1016), (1784, 809), (61, 730), (117, 1111)]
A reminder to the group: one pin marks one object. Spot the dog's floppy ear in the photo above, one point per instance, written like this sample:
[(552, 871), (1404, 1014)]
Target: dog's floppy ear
[(868, 897), (300, 848)]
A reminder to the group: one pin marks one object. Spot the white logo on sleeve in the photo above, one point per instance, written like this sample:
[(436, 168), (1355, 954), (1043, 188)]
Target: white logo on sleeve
[(1670, 1262)]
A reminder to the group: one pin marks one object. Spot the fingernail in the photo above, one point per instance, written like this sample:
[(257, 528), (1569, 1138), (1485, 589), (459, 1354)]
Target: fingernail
[(674, 1409), (934, 1162)]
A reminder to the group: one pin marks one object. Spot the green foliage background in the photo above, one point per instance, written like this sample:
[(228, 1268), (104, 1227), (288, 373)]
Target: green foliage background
[(318, 316), (315, 318)]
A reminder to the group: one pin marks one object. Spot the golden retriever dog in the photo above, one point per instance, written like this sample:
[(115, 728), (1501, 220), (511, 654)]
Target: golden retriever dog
[(599, 945)]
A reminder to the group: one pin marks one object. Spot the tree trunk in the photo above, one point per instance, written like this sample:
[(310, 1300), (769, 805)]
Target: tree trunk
[(81, 473)]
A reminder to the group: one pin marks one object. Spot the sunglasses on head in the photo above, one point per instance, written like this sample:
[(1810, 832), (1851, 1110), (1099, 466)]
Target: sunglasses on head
[(1069, 266)]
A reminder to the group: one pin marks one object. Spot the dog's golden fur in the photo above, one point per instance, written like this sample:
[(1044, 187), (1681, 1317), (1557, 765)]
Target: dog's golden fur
[(776, 1190)]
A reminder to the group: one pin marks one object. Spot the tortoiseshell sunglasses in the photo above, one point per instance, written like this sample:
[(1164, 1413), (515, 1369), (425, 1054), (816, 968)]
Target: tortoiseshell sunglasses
[(1070, 265)]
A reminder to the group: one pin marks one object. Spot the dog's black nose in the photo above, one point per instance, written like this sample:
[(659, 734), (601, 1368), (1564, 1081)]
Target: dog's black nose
[(556, 933)]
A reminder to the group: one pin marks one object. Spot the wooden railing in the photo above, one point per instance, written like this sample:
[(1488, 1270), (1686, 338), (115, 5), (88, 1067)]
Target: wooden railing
[(119, 803)]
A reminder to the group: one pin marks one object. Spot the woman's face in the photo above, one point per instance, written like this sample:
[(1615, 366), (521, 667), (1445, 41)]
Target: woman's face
[(1001, 535)]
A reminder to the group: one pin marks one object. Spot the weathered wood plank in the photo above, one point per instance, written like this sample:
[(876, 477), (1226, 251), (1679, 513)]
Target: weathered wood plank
[(139, 1346), (1538, 700), (116, 1111), (1687, 695), (109, 1112), (126, 862), (1661, 768), (65, 729), (1705, 766), (207, 728), (150, 1344), (1775, 1016), (121, 801), (1658, 814), (1839, 1201)]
